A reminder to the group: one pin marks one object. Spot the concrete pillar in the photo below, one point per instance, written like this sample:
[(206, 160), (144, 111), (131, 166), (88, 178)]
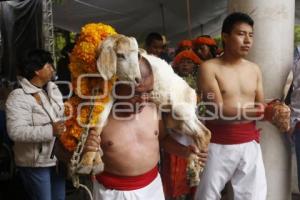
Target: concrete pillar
[(273, 52)]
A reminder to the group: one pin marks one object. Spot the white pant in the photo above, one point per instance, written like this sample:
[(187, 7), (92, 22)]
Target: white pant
[(240, 163), (153, 191)]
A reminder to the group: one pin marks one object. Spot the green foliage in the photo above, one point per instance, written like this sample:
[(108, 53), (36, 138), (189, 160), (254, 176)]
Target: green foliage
[(60, 43), (218, 40), (73, 36), (58, 1), (62, 38), (297, 35)]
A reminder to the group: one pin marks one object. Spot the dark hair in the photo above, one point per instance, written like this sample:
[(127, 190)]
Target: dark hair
[(212, 49), (67, 49), (234, 18), (34, 60), (151, 37)]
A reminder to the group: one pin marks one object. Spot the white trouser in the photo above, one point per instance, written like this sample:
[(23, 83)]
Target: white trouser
[(153, 191), (240, 163)]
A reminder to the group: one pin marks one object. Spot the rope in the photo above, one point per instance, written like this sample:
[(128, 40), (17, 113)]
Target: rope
[(74, 162), (87, 190)]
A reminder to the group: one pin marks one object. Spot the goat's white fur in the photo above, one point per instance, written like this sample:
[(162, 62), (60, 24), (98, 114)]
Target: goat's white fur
[(172, 92)]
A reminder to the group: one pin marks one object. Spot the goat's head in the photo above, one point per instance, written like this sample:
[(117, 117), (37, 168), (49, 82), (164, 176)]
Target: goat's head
[(118, 55)]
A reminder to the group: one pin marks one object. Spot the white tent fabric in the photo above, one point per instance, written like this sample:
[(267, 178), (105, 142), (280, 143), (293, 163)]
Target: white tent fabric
[(139, 17)]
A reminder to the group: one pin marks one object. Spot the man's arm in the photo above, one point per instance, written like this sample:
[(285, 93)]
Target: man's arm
[(173, 147), (258, 109), (93, 141), (259, 93), (20, 127), (208, 84)]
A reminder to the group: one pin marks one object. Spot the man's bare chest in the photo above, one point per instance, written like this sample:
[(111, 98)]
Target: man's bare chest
[(135, 129), (237, 82)]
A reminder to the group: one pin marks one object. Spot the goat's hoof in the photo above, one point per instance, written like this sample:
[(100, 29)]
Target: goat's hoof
[(98, 168), (84, 169)]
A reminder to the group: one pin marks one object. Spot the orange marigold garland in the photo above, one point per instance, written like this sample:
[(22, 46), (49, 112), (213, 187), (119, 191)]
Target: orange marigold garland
[(83, 61)]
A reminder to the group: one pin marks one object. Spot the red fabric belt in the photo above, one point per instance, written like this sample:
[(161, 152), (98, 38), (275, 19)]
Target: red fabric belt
[(112, 181), (233, 133), (297, 125)]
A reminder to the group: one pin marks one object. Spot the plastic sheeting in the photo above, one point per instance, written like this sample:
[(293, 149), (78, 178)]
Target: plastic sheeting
[(21, 30), (139, 17)]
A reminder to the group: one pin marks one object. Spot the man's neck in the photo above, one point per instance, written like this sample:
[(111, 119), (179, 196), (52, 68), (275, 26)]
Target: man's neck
[(37, 82), (231, 59), (124, 111)]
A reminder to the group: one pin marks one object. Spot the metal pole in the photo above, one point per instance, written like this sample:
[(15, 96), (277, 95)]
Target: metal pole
[(188, 18), (201, 29), (163, 18), (48, 28)]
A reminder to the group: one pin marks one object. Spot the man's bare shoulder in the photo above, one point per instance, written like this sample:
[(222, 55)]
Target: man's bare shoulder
[(212, 62), (210, 65), (251, 65)]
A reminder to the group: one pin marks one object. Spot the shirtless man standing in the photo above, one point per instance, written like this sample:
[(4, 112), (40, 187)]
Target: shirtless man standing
[(130, 142), (232, 86)]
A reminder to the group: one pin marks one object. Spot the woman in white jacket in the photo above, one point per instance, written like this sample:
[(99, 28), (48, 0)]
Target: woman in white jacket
[(34, 112)]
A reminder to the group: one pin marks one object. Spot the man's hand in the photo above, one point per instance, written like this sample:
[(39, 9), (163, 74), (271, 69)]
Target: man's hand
[(202, 155), (92, 142), (58, 128), (278, 114), (290, 131)]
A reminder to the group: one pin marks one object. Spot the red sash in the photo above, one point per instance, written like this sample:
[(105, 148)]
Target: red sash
[(233, 133), (297, 125), (112, 181)]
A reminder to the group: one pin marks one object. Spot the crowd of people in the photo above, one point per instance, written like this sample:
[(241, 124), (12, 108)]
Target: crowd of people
[(153, 165)]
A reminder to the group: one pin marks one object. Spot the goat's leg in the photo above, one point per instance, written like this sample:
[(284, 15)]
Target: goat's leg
[(91, 161), (86, 163), (98, 165), (193, 166)]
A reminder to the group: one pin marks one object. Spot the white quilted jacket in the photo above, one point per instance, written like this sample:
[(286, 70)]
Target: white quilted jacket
[(29, 123)]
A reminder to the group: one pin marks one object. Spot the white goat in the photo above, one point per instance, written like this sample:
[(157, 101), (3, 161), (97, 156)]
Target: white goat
[(117, 55), (179, 101)]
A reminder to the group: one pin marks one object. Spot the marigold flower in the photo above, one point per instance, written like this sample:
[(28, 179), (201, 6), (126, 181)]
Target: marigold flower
[(83, 61)]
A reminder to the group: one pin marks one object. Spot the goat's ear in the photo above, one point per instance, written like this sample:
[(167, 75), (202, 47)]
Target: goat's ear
[(107, 62)]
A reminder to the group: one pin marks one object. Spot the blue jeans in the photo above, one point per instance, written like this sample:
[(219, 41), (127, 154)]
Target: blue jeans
[(43, 183), (297, 149)]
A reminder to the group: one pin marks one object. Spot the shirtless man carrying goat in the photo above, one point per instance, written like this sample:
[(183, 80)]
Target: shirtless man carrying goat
[(130, 142)]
